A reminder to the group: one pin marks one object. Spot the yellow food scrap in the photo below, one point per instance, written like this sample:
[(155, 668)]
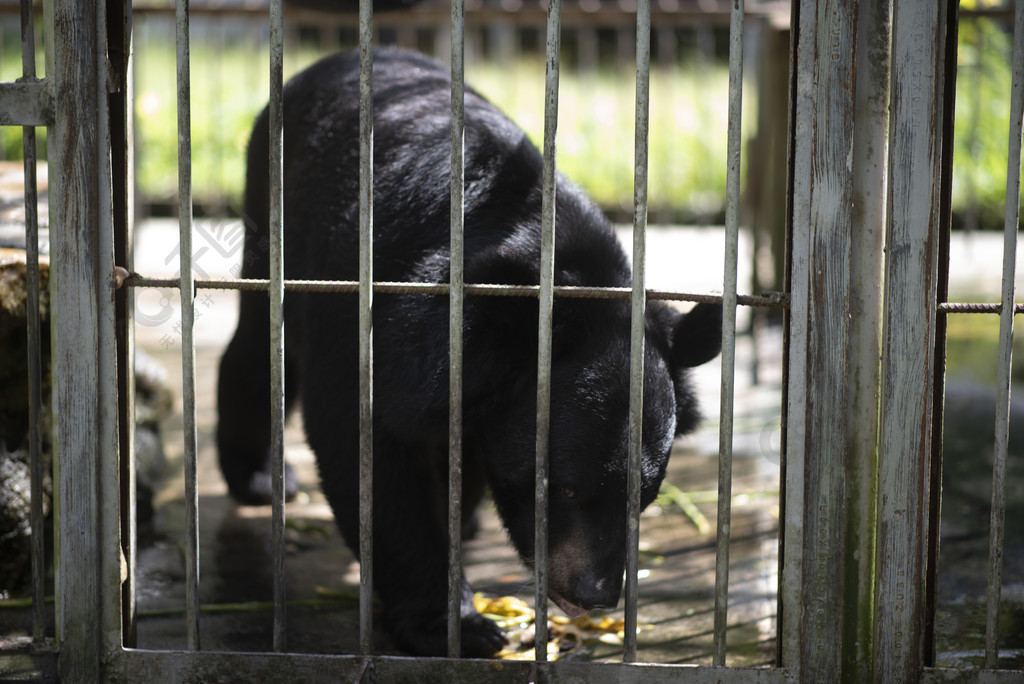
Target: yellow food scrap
[(508, 606), (565, 634)]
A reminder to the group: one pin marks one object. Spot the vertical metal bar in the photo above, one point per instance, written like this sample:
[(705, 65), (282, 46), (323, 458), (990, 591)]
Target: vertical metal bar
[(544, 330), (455, 303), (365, 326), (107, 530), (998, 512), (732, 199), (119, 52), (188, 351), (276, 293), (871, 126), (638, 306), (84, 360), (919, 31), (794, 391), (38, 520), (107, 469), (934, 504)]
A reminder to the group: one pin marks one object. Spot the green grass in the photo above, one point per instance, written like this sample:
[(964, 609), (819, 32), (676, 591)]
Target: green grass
[(982, 120), (687, 146)]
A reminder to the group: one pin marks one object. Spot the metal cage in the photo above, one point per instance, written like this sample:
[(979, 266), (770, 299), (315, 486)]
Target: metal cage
[(869, 167)]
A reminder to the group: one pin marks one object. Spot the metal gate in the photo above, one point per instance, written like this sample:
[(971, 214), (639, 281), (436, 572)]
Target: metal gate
[(869, 172)]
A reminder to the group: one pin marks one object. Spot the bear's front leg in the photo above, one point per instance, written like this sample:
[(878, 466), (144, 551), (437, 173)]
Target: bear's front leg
[(423, 629), (410, 549), (411, 555)]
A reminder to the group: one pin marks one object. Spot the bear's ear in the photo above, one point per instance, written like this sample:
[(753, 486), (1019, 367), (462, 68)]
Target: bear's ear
[(697, 337)]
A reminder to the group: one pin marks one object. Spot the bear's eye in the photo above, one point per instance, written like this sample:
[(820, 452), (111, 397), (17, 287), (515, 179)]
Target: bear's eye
[(568, 493)]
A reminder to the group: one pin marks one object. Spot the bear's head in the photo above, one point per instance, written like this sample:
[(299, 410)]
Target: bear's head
[(589, 441)]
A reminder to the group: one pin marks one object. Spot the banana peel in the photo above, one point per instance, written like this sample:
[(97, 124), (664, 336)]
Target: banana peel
[(565, 635)]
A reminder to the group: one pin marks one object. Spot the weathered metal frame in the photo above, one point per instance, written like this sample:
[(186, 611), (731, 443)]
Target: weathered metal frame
[(819, 512)]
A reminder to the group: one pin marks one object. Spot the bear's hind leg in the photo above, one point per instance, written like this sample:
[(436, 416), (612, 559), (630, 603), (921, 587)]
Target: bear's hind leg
[(243, 405)]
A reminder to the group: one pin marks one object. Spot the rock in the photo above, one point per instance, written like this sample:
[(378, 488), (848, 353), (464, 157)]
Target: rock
[(153, 401)]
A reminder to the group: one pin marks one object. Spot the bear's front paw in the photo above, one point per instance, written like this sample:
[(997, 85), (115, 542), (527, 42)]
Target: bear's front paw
[(481, 637), (428, 635)]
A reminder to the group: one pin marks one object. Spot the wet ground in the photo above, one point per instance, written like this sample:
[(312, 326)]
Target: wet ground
[(964, 546)]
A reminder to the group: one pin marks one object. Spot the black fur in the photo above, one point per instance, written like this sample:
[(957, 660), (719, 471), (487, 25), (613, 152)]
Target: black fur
[(590, 370)]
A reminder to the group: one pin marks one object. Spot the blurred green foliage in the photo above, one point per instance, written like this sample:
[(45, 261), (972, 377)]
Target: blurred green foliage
[(688, 120), (982, 120), (595, 127), (972, 349)]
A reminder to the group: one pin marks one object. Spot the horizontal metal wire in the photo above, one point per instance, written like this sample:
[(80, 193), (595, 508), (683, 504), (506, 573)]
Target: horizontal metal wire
[(768, 300), (772, 300), (972, 307)]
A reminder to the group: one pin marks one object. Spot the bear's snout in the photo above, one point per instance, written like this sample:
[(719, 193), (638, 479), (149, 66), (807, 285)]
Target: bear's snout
[(585, 575), (591, 592), (586, 591)]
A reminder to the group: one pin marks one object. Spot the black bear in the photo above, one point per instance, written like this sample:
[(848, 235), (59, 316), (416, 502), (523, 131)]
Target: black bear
[(590, 366)]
